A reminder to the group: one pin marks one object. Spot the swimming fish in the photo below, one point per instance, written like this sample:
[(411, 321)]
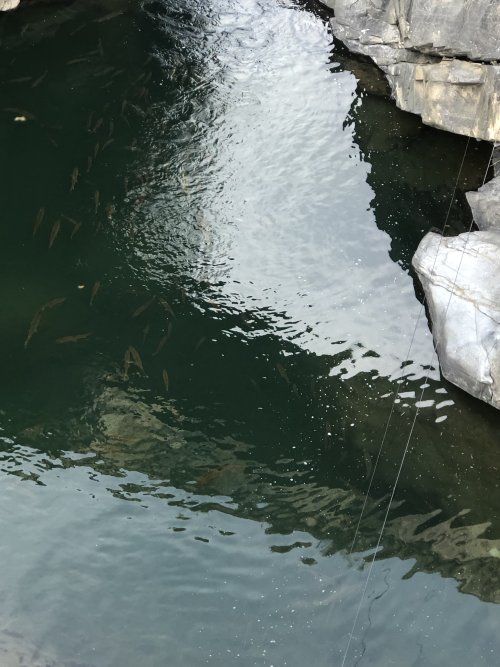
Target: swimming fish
[(75, 230), (38, 81), (145, 332), (96, 150), (73, 339), (109, 16), (136, 357), (98, 124), (89, 121), (89, 163), (38, 220), (55, 231), (96, 199), (107, 143), (94, 291), (281, 370), (144, 307), (74, 178), (164, 375), (199, 343), (35, 322), (160, 345), (167, 307)]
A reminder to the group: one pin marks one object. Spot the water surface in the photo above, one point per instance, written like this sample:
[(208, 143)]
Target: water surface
[(225, 195)]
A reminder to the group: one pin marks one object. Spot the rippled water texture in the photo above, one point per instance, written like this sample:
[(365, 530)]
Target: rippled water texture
[(208, 216)]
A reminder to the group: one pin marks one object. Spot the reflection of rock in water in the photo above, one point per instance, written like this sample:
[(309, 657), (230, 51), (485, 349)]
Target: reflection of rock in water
[(461, 551), (17, 651)]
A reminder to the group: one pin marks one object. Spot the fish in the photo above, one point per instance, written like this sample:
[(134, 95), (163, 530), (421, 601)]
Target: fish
[(77, 61), (144, 307), (96, 150), (96, 199), (281, 370), (199, 343), (98, 124), (73, 339), (21, 79), (89, 163), (55, 231), (160, 345), (74, 178), (111, 128), (145, 332), (38, 220), (127, 360), (164, 376), (75, 230), (94, 291), (89, 121), (125, 184), (107, 143), (184, 180), (109, 210), (136, 357), (38, 81), (35, 322), (21, 112), (167, 307), (99, 47), (108, 17)]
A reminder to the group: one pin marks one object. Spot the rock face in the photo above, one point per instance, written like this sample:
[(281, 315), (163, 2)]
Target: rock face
[(460, 279), (8, 4), (425, 48), (485, 205)]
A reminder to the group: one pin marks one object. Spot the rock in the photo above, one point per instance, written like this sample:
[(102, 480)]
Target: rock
[(8, 4), (485, 205), (420, 45), (461, 279)]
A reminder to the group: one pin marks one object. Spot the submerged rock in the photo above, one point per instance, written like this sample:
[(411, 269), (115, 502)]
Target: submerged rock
[(425, 48), (460, 277)]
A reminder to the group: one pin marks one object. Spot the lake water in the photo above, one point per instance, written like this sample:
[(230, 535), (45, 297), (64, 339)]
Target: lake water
[(208, 216)]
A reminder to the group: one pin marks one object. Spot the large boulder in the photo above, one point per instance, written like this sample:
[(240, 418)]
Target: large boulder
[(425, 48), (8, 4), (485, 205), (461, 279)]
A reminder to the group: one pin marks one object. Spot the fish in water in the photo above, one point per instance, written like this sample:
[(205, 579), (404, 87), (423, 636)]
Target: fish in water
[(107, 143), (35, 322), (55, 231), (127, 360), (89, 163), (111, 129), (38, 81), (38, 220), (164, 376), (96, 150), (98, 124), (160, 345), (281, 370), (143, 307), (75, 230), (167, 307), (74, 178), (199, 343), (145, 332), (89, 121), (96, 199), (73, 339), (136, 357), (108, 17), (94, 291)]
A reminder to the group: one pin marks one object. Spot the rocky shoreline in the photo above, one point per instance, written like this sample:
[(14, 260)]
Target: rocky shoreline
[(441, 60)]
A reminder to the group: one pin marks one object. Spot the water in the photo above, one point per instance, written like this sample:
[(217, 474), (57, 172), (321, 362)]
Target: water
[(259, 203)]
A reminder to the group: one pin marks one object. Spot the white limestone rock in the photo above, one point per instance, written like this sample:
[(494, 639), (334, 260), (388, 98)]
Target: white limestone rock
[(421, 46), (461, 279), (8, 4), (485, 205)]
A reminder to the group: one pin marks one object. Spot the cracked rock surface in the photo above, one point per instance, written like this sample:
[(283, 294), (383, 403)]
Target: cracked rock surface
[(460, 279), (439, 57)]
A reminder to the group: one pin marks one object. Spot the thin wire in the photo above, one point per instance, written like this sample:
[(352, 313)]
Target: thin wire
[(398, 388), (408, 441)]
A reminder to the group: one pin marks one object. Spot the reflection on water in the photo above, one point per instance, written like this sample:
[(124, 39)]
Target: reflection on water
[(188, 435)]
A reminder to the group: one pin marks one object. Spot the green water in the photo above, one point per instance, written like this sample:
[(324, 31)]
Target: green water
[(181, 483)]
